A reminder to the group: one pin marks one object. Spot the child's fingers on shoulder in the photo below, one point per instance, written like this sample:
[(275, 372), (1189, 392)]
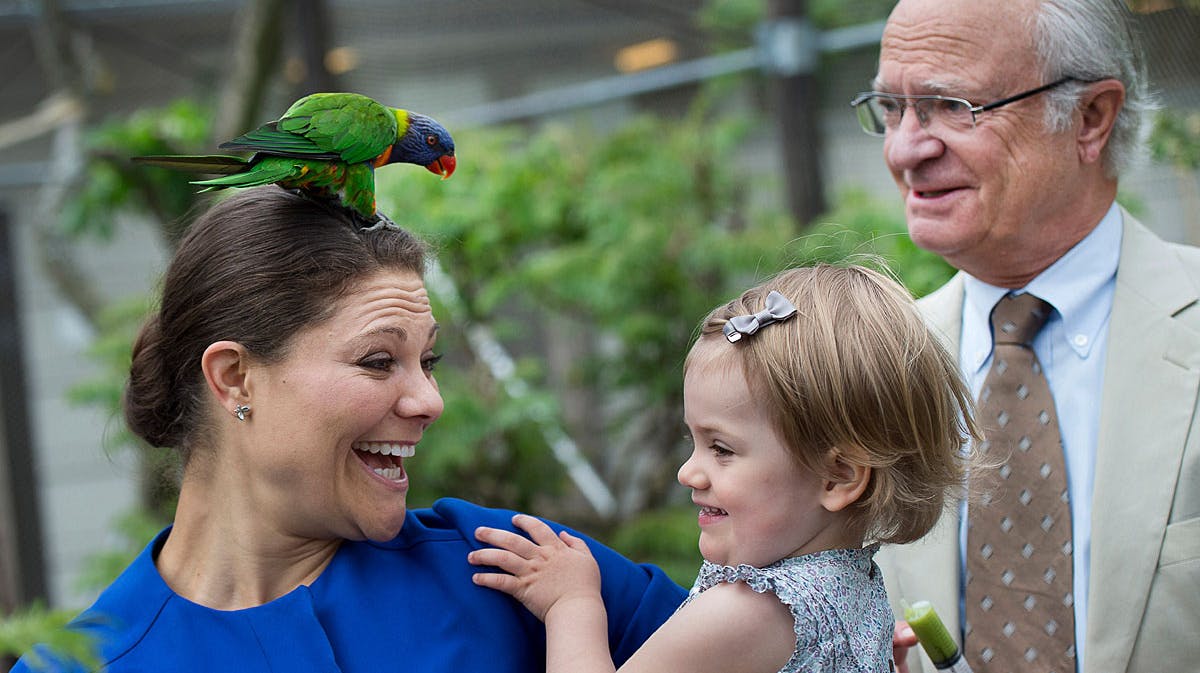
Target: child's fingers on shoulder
[(498, 581), (502, 557), (490, 557), (505, 539), (574, 542), (537, 529)]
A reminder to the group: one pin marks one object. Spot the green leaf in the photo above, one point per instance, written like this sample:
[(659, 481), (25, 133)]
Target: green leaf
[(20, 631)]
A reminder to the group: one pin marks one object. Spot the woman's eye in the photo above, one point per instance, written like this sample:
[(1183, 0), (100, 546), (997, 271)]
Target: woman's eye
[(380, 363), (430, 363)]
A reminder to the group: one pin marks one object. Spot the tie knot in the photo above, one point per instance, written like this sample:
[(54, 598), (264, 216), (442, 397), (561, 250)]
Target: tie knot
[(1016, 319)]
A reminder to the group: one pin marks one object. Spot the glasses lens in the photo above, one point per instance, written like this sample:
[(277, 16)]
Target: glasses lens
[(878, 113), (948, 113), (873, 116)]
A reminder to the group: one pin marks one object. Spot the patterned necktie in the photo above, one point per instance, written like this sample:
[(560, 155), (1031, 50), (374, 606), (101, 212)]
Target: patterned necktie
[(1019, 600)]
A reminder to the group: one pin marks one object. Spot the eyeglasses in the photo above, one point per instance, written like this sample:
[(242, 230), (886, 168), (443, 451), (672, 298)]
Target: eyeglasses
[(880, 112)]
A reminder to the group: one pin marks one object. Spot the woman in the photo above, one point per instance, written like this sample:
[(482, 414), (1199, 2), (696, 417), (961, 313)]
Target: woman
[(291, 362)]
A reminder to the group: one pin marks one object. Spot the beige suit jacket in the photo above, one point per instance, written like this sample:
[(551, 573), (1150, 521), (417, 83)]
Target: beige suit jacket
[(1144, 579)]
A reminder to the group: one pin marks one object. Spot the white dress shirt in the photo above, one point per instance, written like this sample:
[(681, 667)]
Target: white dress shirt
[(1071, 349)]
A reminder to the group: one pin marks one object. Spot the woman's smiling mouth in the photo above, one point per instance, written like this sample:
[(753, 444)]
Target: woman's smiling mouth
[(385, 459)]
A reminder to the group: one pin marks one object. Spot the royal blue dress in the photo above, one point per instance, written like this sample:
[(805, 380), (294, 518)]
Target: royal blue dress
[(407, 605)]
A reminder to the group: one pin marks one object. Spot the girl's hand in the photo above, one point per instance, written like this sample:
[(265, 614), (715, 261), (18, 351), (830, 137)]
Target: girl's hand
[(544, 571), (903, 639)]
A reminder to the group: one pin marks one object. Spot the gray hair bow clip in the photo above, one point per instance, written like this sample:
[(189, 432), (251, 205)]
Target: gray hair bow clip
[(778, 309)]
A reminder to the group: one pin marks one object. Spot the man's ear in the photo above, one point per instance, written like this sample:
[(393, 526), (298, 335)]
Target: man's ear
[(225, 365), (849, 481), (1099, 107)]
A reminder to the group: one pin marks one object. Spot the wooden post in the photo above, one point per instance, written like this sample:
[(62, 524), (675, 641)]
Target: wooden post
[(312, 38), (791, 52), (22, 565)]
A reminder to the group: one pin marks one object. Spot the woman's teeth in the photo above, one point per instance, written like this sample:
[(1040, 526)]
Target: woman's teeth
[(386, 448), (392, 473)]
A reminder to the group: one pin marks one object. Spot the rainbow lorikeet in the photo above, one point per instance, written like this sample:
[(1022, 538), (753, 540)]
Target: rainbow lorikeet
[(326, 145)]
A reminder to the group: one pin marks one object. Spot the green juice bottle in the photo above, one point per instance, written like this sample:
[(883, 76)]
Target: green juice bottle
[(934, 638)]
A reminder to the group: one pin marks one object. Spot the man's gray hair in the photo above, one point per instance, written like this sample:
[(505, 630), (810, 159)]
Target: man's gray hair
[(1093, 40)]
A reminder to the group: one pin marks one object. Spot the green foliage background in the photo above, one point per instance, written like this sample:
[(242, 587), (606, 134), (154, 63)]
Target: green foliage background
[(610, 247)]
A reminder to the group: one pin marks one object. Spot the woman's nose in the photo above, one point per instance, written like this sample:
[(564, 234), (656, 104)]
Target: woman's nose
[(420, 398)]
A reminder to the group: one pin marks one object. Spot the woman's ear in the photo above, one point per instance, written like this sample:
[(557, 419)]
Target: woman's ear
[(848, 483), (225, 365)]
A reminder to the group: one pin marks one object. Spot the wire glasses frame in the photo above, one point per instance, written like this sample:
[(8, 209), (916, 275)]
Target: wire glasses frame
[(878, 111)]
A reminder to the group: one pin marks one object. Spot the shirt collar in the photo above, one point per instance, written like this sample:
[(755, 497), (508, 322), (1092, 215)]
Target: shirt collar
[(1079, 285)]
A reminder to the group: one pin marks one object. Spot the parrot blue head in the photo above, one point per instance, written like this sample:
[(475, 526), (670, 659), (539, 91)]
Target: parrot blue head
[(425, 143)]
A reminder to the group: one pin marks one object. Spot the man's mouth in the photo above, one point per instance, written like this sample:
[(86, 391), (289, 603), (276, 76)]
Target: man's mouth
[(385, 459), (932, 194)]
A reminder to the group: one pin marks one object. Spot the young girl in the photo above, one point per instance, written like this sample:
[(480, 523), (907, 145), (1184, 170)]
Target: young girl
[(824, 415)]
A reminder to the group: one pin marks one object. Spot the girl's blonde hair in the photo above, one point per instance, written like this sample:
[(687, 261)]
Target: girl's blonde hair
[(858, 372)]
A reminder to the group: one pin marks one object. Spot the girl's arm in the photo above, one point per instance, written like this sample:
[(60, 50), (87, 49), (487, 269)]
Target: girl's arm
[(727, 629)]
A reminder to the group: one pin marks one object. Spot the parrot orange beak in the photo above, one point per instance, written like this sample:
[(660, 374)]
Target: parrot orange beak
[(443, 166)]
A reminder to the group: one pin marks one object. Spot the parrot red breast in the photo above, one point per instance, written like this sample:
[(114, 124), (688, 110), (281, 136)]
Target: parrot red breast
[(326, 145)]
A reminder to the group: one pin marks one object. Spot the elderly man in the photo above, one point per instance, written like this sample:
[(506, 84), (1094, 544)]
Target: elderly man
[(1006, 124)]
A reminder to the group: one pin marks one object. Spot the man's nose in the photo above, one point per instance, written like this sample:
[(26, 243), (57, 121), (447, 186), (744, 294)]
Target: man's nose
[(910, 143)]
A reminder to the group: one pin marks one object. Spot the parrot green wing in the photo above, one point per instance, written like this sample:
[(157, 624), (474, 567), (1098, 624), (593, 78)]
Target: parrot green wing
[(270, 140), (345, 126), (354, 126), (265, 172)]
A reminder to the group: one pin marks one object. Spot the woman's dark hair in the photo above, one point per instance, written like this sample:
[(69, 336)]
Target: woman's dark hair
[(257, 268)]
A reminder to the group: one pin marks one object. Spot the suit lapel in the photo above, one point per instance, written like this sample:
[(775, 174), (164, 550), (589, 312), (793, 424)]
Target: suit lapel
[(942, 309), (1149, 393)]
